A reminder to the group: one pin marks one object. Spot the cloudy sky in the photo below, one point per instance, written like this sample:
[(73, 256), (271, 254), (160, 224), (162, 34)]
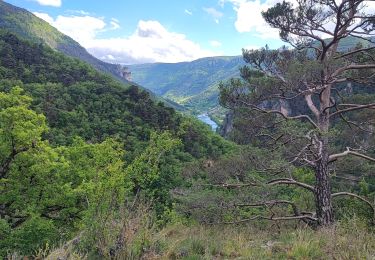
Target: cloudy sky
[(140, 31)]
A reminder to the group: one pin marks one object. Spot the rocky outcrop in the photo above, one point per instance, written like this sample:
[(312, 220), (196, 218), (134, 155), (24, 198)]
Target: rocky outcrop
[(227, 126), (124, 72)]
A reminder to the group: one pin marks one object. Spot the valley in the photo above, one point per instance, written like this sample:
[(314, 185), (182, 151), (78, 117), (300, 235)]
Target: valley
[(193, 85), (191, 152)]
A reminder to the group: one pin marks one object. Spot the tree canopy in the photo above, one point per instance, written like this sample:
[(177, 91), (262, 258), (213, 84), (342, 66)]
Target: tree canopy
[(318, 79)]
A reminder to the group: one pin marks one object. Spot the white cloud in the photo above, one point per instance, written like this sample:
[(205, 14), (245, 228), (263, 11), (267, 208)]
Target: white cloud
[(45, 17), (55, 3), (115, 24), (108, 57), (81, 28), (215, 14), (369, 7), (215, 44), (151, 42), (188, 12), (249, 17), (81, 12)]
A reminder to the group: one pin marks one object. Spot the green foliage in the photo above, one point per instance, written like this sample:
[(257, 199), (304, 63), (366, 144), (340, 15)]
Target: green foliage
[(74, 174), (35, 233), (200, 142), (45, 191), (78, 101), (29, 26), (148, 172), (28, 178), (20, 127)]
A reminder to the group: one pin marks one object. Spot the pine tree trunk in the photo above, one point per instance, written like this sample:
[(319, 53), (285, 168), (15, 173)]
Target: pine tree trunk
[(323, 189), (324, 210)]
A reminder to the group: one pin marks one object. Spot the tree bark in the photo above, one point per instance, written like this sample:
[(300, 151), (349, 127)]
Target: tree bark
[(323, 189), (323, 192)]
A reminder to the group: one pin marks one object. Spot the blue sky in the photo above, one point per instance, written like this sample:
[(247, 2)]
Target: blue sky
[(140, 31)]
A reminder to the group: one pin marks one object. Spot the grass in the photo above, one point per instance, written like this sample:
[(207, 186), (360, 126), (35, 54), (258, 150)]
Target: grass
[(344, 241), (349, 239)]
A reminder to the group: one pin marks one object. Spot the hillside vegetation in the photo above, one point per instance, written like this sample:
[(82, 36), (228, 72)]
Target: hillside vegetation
[(195, 85), (67, 131), (191, 84), (92, 168), (29, 26)]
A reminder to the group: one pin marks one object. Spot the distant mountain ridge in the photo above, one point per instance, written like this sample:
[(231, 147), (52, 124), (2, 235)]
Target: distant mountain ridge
[(29, 26), (184, 85), (195, 84), (192, 84)]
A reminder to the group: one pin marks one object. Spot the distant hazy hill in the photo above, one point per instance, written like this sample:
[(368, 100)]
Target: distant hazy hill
[(27, 25), (350, 42), (192, 84)]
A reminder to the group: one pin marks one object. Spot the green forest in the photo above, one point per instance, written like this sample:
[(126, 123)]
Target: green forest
[(93, 167)]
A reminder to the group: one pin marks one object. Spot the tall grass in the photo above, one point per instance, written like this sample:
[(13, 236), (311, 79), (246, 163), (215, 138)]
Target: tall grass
[(346, 240), (349, 239)]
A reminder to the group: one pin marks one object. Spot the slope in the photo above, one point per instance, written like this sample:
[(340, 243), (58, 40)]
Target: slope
[(80, 101), (195, 84), (27, 25), (192, 84)]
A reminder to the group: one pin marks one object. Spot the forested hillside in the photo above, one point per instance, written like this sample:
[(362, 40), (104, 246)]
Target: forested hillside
[(191, 84), (29, 26), (64, 121), (91, 168), (195, 85)]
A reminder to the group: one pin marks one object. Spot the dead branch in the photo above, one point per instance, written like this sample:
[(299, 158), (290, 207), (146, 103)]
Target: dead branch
[(353, 108), (259, 217), (334, 157), (355, 51), (288, 181), (265, 111), (358, 197), (231, 185)]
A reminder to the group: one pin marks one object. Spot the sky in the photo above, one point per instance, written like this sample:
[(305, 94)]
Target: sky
[(143, 31)]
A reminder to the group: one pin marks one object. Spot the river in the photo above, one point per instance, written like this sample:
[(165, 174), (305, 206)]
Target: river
[(206, 119)]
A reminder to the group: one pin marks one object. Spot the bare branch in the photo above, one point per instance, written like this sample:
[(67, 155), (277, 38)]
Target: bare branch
[(312, 106), (257, 217), (280, 113), (352, 67), (272, 203), (334, 157), (288, 181), (355, 51), (265, 203), (231, 185), (353, 108), (358, 197)]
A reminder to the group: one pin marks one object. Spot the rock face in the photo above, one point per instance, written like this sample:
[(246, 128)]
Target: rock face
[(124, 72), (227, 126)]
